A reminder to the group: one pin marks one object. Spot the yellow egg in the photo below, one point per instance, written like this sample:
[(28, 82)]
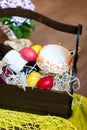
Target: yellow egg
[(37, 48), (32, 79)]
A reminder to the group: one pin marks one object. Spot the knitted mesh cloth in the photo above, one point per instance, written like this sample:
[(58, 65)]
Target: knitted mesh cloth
[(13, 120)]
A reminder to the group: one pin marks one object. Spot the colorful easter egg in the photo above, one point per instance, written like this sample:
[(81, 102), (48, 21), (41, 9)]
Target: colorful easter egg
[(6, 72), (54, 59), (28, 54), (15, 61), (45, 83), (37, 48), (33, 78)]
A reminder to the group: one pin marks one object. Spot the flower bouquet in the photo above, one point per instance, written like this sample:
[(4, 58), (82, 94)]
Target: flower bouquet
[(20, 26)]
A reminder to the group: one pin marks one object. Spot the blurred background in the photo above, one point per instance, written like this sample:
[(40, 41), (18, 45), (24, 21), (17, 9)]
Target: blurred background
[(66, 11), (70, 12)]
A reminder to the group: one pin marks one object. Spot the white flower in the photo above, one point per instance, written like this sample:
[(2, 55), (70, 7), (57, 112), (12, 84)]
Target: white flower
[(3, 4), (26, 4), (28, 21), (6, 22), (18, 20)]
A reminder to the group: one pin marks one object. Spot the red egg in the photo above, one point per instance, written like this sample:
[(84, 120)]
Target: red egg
[(6, 72), (45, 83), (28, 54)]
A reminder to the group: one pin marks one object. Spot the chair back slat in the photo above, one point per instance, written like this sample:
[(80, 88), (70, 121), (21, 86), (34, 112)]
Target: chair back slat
[(40, 18), (67, 28)]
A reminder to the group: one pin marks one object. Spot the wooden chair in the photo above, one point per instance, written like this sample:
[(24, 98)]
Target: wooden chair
[(61, 100), (77, 30)]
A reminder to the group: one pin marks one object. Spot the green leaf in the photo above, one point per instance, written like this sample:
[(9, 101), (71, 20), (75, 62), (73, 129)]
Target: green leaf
[(24, 27), (5, 19), (17, 31), (32, 24), (20, 31), (26, 34)]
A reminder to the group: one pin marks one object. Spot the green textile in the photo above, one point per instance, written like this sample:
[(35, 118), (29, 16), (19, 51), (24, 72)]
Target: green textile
[(79, 115)]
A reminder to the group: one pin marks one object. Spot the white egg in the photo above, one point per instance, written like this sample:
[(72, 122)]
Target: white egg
[(54, 59), (15, 61)]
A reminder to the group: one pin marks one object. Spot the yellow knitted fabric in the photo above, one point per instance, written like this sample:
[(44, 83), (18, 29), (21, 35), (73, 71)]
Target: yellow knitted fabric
[(79, 116), (11, 120)]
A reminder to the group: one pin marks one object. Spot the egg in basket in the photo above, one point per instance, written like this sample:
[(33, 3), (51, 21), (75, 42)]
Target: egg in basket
[(44, 67)]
